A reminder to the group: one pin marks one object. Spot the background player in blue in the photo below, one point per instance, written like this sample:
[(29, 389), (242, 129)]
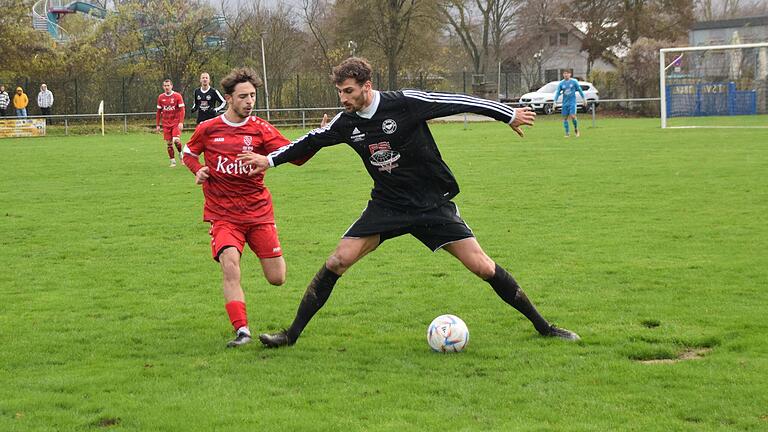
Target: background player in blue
[(412, 186), (568, 87)]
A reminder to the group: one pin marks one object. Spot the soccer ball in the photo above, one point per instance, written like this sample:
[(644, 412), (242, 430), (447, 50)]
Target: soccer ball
[(447, 333)]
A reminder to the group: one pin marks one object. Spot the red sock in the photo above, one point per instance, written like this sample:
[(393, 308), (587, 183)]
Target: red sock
[(237, 315), (170, 151)]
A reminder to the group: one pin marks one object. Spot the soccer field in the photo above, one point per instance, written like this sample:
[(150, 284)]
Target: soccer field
[(651, 244)]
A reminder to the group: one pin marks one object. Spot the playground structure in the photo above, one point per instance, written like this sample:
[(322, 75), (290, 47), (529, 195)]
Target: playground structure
[(46, 15)]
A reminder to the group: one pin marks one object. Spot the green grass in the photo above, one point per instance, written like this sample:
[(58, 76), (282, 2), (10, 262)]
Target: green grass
[(646, 242)]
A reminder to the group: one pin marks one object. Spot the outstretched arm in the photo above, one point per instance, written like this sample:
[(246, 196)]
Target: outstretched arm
[(431, 105)]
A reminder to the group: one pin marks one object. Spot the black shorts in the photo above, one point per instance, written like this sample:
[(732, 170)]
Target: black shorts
[(435, 228)]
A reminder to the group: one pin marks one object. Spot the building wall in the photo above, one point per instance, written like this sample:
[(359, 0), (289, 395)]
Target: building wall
[(724, 36), (559, 55)]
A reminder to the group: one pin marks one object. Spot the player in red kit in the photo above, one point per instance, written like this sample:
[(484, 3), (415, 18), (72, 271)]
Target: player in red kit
[(170, 114), (238, 206)]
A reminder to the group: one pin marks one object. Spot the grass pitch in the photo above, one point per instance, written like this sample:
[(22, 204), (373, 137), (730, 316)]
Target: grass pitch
[(651, 244)]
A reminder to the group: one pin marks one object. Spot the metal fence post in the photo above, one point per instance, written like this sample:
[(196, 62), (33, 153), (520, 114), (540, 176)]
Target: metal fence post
[(66, 126), (303, 119), (125, 123), (592, 107)]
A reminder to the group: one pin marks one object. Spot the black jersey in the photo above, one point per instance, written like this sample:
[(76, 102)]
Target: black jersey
[(396, 145), (208, 104)]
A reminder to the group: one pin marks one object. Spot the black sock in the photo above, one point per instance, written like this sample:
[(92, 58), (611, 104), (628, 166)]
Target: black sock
[(509, 291), (315, 296)]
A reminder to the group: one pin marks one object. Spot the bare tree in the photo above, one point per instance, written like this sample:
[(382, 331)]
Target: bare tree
[(473, 31), (709, 10), (315, 16), (600, 26), (502, 22), (390, 27)]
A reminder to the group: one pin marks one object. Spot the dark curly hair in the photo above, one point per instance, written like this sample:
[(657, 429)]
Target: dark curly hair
[(357, 68), (237, 76)]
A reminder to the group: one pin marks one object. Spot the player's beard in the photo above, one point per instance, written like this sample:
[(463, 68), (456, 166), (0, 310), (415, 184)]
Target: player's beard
[(356, 104)]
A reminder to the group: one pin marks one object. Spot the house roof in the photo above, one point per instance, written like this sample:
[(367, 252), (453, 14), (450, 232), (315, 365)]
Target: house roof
[(755, 21)]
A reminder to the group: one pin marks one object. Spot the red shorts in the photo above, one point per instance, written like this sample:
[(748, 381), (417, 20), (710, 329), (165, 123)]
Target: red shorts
[(171, 132), (261, 238)]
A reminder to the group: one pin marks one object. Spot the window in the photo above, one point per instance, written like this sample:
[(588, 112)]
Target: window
[(551, 75), (553, 39), (564, 39)]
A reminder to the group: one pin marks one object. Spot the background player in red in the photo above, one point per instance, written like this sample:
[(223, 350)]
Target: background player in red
[(170, 113), (238, 206)]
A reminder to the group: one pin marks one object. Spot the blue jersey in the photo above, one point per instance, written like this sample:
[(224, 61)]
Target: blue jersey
[(569, 88)]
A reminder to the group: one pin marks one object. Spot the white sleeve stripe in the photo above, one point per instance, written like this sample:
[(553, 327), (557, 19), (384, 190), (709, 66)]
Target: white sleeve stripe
[(189, 152), (473, 102), (312, 132), (223, 101), (181, 105), (453, 97), (460, 99)]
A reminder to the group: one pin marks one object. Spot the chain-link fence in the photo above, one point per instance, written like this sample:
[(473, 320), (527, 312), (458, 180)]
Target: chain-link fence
[(82, 95)]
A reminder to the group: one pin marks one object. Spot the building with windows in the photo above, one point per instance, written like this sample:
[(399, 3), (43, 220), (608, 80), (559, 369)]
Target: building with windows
[(562, 50), (724, 32)]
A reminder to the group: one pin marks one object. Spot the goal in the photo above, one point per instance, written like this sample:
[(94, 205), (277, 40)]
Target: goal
[(714, 86)]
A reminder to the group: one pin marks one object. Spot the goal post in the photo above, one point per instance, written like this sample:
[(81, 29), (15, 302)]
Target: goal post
[(714, 86)]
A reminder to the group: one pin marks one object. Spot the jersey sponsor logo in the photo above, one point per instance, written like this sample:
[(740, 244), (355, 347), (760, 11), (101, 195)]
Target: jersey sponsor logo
[(383, 157), (247, 143), (224, 165), (169, 108), (357, 136), (389, 126), (220, 139)]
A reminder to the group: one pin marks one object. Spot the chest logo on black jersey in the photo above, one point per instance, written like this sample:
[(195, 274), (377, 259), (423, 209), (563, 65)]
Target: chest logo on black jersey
[(357, 136), (389, 126), (383, 157)]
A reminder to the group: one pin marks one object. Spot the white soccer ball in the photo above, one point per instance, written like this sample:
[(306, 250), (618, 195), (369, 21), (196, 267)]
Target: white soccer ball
[(447, 333)]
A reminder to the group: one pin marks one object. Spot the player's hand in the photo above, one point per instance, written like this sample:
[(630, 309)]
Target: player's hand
[(258, 163), (324, 122), (523, 116), (202, 175), (157, 128), (181, 127)]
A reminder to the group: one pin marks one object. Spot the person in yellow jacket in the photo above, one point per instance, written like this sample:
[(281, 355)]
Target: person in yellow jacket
[(20, 102)]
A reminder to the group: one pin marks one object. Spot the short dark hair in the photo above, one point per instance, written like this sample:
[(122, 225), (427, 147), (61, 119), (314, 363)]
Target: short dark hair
[(167, 80), (357, 68), (237, 76)]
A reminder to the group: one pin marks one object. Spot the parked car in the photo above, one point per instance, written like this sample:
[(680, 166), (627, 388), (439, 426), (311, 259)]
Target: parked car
[(543, 98)]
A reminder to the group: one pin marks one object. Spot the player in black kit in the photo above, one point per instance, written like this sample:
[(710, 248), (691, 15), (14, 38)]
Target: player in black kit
[(412, 186), (208, 101)]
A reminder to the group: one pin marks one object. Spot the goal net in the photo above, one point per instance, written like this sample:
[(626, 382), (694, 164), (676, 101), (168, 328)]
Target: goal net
[(714, 86)]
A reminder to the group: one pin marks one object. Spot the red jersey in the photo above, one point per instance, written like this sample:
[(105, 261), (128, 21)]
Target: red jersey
[(170, 108), (230, 194)]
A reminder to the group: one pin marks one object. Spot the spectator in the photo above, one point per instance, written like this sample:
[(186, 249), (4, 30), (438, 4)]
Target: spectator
[(4, 101), (20, 102), (45, 101)]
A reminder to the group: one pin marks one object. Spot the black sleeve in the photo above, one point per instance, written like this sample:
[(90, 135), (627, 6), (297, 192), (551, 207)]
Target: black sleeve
[(431, 105), (309, 143)]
